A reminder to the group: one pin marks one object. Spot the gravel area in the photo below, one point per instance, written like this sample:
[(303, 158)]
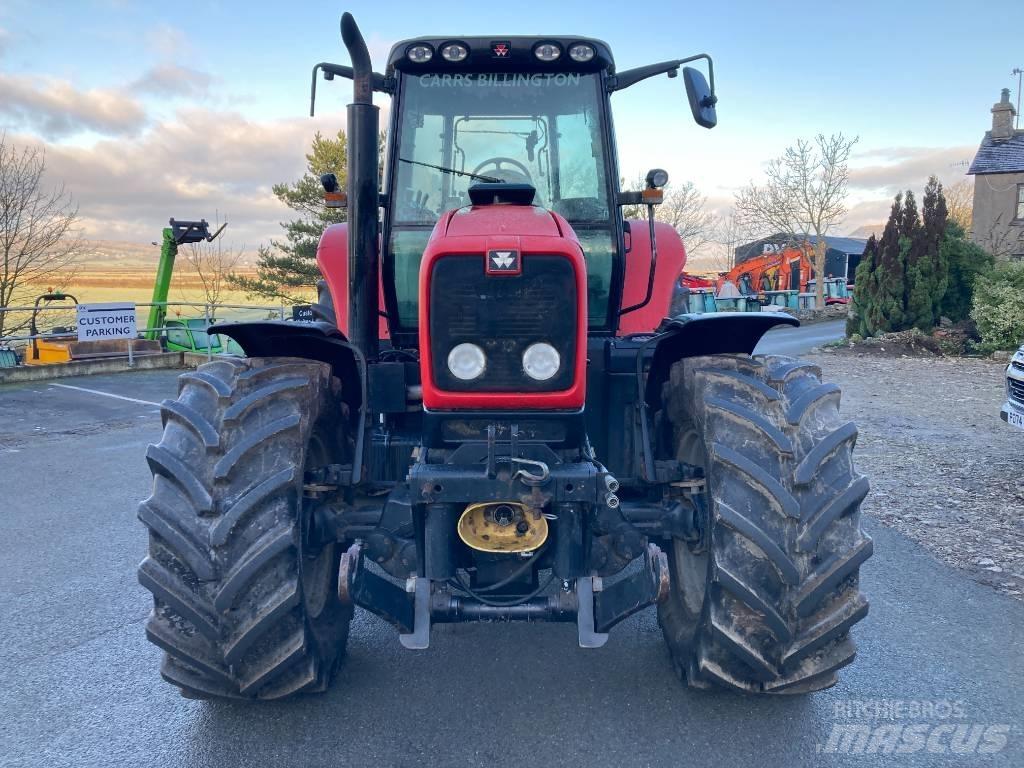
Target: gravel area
[(945, 470)]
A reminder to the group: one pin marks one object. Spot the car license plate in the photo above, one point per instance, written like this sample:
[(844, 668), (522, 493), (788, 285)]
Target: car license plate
[(1017, 419)]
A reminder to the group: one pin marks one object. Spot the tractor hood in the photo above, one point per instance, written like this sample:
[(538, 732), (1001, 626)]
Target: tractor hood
[(503, 220), (501, 279)]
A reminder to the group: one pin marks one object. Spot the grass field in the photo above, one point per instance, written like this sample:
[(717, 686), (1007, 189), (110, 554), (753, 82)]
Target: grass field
[(92, 286)]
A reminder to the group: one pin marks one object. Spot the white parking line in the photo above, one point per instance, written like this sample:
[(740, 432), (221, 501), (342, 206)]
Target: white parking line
[(106, 394)]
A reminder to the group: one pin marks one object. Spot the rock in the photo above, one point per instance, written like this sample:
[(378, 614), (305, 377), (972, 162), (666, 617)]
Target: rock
[(985, 561)]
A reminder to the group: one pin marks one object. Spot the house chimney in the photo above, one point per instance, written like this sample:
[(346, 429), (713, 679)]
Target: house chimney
[(1002, 117)]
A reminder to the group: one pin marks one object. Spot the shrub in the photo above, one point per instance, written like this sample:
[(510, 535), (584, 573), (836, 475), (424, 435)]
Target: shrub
[(966, 261), (998, 307)]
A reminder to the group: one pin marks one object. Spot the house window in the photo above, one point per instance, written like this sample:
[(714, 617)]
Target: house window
[(1020, 203)]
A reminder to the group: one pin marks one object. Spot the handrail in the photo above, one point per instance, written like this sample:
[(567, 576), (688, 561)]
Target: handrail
[(208, 314)]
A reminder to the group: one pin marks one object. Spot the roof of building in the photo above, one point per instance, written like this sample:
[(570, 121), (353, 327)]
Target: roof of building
[(1002, 156), (848, 245), (851, 245)]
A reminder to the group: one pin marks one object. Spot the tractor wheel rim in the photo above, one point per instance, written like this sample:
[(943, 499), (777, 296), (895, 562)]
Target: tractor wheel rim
[(314, 570)]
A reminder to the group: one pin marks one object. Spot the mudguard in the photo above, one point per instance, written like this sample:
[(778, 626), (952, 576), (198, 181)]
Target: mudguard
[(694, 335), (310, 341)]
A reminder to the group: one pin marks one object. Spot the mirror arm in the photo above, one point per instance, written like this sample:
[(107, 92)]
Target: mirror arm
[(630, 77), (380, 83)]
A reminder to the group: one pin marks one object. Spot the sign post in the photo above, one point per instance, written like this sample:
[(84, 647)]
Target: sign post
[(303, 313)]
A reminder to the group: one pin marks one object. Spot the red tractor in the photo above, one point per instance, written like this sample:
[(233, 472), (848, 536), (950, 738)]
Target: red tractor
[(482, 426)]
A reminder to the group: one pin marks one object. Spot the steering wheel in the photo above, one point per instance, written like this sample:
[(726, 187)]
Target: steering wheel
[(413, 207), (505, 174)]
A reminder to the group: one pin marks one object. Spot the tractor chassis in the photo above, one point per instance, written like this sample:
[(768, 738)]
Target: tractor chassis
[(413, 607), (592, 535)]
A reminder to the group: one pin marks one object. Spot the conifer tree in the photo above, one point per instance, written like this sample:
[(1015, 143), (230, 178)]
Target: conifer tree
[(866, 280), (903, 277), (886, 310)]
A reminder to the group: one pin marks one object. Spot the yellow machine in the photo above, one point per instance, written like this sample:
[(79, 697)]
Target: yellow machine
[(62, 345)]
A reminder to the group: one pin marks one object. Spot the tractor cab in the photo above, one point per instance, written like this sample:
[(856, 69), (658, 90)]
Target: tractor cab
[(516, 110)]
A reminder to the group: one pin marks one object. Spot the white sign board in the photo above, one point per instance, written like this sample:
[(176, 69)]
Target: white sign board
[(97, 322)]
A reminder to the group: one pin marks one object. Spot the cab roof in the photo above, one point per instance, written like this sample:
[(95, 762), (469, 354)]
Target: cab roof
[(501, 53)]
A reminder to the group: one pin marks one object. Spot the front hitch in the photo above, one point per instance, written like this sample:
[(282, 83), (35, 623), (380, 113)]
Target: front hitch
[(414, 607)]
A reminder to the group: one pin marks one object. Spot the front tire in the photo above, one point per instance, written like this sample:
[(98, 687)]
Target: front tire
[(766, 602), (244, 604)]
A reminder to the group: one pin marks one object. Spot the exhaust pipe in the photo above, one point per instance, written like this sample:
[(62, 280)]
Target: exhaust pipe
[(363, 195)]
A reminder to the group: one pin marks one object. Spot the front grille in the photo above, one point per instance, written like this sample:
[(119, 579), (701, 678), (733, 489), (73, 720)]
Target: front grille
[(1016, 390), (503, 314)]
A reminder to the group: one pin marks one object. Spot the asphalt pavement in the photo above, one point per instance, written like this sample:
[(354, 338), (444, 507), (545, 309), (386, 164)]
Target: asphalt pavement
[(79, 684), (786, 340)]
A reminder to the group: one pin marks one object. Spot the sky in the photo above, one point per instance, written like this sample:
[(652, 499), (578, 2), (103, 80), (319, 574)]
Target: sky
[(149, 110)]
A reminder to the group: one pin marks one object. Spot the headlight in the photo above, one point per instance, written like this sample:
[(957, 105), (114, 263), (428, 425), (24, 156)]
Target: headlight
[(541, 361), (454, 52), (547, 51), (581, 52), (657, 178), (466, 361), (420, 53)]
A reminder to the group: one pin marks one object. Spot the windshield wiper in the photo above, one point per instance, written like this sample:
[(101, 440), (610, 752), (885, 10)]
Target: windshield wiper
[(441, 168)]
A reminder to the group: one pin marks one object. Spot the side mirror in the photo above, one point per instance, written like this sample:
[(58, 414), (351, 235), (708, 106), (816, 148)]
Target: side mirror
[(702, 98)]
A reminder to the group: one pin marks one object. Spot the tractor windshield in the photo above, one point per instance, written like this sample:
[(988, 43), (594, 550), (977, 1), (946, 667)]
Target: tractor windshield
[(541, 129)]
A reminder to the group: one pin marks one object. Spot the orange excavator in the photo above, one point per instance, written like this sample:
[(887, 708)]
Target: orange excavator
[(788, 269)]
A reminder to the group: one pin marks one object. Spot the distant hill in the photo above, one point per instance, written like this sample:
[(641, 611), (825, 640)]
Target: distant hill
[(867, 231), (104, 255), (115, 254)]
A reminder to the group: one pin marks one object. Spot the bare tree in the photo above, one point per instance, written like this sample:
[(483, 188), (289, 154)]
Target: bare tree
[(1002, 241), (804, 195), (685, 210), (39, 240), (960, 203), (730, 233), (212, 263)]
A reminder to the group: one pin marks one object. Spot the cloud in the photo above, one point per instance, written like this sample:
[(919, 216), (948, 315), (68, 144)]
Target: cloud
[(908, 167), (168, 41), (56, 109), (379, 49), (194, 165), (173, 80)]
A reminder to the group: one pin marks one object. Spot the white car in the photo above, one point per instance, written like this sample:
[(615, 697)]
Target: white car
[(1013, 408)]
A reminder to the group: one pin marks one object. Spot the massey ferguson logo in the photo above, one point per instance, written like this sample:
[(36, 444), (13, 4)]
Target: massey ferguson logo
[(503, 262), (501, 49)]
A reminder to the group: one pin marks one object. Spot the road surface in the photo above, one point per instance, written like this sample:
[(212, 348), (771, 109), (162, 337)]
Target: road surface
[(786, 340), (79, 683)]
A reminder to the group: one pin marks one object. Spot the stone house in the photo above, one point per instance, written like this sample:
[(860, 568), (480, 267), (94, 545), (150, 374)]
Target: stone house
[(998, 170)]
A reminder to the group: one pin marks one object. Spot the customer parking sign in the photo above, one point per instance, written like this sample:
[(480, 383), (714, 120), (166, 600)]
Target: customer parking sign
[(97, 322)]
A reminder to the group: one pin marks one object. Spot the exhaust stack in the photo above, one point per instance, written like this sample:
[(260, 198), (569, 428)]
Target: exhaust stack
[(363, 196)]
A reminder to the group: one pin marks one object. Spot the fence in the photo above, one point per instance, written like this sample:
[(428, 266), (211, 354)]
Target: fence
[(211, 313)]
